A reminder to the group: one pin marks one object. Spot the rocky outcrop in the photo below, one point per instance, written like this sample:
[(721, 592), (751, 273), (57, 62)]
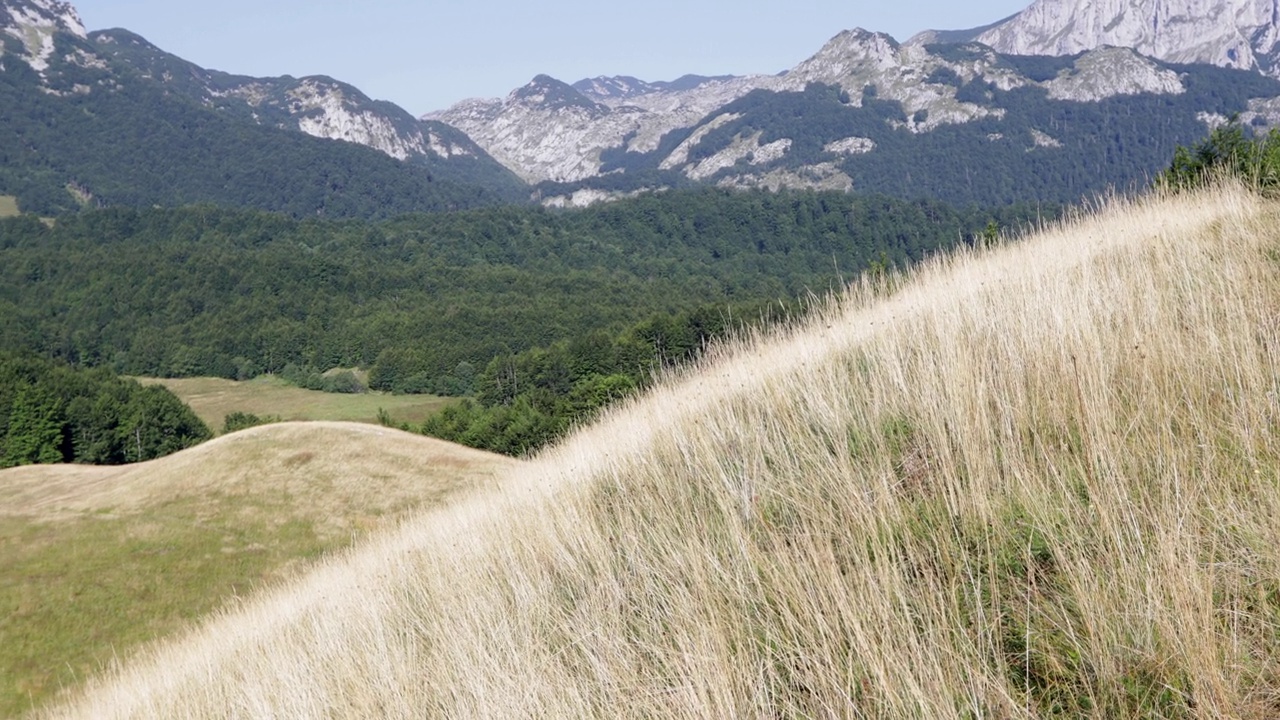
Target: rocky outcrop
[(1111, 72), (318, 106), (1243, 34), (548, 130), (35, 25)]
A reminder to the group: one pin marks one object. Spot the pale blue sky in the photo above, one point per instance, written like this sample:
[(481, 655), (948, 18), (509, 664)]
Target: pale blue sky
[(428, 55)]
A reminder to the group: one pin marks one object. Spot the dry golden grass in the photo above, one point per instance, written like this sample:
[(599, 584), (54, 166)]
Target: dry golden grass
[(8, 206), (215, 398), (95, 561), (332, 471), (1037, 481)]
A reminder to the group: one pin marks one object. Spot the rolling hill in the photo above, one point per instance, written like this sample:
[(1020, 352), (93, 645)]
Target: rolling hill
[(98, 560), (1029, 481)]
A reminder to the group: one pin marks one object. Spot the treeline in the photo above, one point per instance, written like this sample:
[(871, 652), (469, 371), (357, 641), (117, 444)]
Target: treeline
[(526, 400), (424, 301), (53, 413)]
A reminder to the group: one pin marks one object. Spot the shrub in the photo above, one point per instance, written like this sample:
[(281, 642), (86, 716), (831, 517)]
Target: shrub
[(237, 421), (1228, 151)]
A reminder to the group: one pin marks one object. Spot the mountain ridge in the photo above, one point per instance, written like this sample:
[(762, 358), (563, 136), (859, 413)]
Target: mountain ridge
[(1113, 55), (109, 118), (661, 137)]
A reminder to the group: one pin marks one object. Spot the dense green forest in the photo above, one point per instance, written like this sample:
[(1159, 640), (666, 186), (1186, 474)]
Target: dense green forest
[(118, 137), (526, 400), (53, 413), (424, 301)]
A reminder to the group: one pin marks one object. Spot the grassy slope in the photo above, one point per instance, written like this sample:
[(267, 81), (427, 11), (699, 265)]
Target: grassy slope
[(8, 206), (1042, 480), (95, 561), (214, 398)]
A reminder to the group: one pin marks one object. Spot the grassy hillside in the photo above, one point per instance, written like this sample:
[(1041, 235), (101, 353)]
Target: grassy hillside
[(95, 561), (8, 206), (1038, 481), (214, 398)]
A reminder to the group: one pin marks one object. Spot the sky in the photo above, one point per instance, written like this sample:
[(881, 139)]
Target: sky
[(426, 56)]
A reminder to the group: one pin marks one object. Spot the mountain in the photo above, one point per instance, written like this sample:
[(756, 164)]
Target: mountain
[(108, 118), (959, 121), (549, 130), (318, 106), (1241, 34)]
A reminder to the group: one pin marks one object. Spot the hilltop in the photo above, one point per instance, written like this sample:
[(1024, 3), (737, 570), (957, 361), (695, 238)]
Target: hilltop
[(98, 560), (1029, 481)]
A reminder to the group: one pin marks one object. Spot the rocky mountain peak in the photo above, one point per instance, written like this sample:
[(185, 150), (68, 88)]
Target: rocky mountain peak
[(52, 15), (549, 93), (860, 45), (851, 54), (34, 24), (1242, 34)]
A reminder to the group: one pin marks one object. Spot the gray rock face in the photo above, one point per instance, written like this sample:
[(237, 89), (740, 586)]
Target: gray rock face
[(1242, 34), (622, 87), (1111, 72), (548, 130)]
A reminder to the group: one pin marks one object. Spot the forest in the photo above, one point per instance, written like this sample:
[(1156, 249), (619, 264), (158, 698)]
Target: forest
[(426, 300), (523, 401), (540, 317), (51, 412)]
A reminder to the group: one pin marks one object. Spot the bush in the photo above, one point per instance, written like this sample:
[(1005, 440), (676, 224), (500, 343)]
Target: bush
[(237, 421), (1228, 152), (343, 382)]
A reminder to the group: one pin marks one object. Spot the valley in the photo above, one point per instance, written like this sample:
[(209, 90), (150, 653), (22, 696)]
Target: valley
[(978, 488), (924, 377)]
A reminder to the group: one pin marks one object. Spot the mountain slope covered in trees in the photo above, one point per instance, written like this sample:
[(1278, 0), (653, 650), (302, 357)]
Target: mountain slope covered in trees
[(110, 120), (1032, 147)]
